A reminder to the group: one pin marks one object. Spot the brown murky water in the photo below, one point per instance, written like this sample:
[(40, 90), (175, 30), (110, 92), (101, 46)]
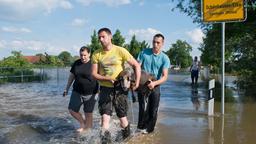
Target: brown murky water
[(237, 126), (37, 113)]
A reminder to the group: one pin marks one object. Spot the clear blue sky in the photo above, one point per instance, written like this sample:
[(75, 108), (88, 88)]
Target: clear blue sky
[(52, 26)]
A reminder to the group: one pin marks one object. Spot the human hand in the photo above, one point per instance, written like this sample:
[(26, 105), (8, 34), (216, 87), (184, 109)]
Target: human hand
[(151, 85), (110, 79), (134, 87), (64, 93)]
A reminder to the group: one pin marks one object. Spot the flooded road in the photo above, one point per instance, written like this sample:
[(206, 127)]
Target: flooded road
[(36, 113)]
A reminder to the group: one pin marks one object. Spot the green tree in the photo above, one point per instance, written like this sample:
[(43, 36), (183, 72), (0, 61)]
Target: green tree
[(211, 47), (41, 60), (95, 44), (75, 58), (134, 47), (244, 61), (143, 45), (16, 60), (191, 8), (240, 54), (66, 58), (179, 54), (51, 60), (118, 39)]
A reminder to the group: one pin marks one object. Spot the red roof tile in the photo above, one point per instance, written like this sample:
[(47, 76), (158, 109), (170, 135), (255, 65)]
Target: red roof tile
[(32, 59)]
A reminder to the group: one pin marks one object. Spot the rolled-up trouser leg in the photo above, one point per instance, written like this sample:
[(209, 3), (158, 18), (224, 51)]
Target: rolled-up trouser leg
[(121, 105)]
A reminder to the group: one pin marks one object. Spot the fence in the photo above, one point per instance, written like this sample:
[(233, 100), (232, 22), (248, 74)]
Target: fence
[(11, 74)]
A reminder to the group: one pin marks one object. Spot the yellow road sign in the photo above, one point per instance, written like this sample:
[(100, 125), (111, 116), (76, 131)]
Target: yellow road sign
[(223, 10)]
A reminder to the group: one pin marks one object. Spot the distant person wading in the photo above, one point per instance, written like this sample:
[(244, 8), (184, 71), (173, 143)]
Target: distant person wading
[(194, 70)]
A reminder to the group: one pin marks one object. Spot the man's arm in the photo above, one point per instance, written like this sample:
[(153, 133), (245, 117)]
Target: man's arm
[(70, 81), (137, 68), (161, 80), (98, 76)]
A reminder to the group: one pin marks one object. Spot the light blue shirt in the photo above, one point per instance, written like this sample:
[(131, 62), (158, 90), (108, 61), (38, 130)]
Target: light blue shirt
[(153, 63)]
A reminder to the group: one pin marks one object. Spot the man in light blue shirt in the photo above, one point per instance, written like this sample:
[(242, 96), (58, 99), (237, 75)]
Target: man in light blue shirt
[(155, 62)]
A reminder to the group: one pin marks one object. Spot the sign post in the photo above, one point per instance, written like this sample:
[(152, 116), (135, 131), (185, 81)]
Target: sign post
[(223, 69), (211, 98), (222, 11)]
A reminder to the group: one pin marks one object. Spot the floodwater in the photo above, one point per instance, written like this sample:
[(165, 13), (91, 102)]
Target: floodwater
[(35, 113)]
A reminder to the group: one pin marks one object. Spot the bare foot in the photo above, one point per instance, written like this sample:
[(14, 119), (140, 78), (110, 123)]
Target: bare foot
[(86, 126), (80, 130)]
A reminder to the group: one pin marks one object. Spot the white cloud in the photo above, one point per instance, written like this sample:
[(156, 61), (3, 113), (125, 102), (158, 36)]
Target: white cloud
[(111, 3), (141, 3), (17, 10), (196, 36), (143, 34), (28, 45), (2, 44), (32, 47), (75, 49), (16, 30), (78, 22), (86, 2), (66, 5)]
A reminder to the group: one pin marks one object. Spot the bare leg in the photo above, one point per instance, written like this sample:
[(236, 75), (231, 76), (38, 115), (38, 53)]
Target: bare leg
[(105, 121), (78, 116), (125, 127), (123, 122), (88, 120)]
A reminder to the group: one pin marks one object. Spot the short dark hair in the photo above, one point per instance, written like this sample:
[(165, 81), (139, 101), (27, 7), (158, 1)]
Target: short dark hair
[(159, 35), (107, 30), (83, 48)]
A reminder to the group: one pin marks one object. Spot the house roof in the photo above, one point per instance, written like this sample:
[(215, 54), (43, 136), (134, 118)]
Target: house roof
[(32, 59)]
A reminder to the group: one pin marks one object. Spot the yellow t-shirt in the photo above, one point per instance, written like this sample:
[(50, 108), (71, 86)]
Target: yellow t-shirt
[(110, 63)]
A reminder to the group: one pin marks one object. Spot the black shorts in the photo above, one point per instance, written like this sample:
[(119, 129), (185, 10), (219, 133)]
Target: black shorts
[(76, 100), (107, 100)]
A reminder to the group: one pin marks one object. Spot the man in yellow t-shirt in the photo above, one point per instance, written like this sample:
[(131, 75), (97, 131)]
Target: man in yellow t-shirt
[(107, 63)]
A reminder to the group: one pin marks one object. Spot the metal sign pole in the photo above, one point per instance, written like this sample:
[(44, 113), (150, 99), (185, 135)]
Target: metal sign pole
[(216, 11), (223, 69)]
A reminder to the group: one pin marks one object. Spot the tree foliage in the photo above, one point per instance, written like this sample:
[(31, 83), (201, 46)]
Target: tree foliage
[(15, 60), (191, 8), (240, 54), (118, 39), (179, 54), (95, 43), (52, 60), (134, 47), (66, 58)]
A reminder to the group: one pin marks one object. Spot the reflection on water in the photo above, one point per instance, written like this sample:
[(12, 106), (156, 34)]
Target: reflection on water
[(195, 98), (37, 113)]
